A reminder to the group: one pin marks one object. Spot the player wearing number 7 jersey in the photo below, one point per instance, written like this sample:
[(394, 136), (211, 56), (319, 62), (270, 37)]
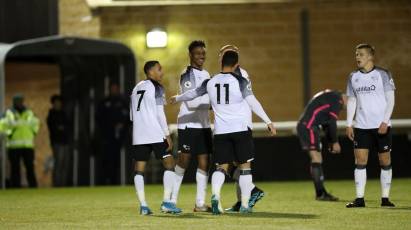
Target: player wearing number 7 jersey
[(151, 134), (231, 97)]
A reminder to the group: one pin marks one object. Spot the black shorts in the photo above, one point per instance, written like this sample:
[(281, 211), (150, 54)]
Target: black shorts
[(238, 147), (143, 152), (309, 138), (195, 141), (368, 138)]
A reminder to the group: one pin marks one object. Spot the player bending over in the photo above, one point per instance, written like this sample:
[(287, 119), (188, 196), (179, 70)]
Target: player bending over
[(321, 111)]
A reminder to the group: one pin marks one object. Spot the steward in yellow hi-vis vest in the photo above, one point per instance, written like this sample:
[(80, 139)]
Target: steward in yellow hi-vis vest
[(3, 126), (21, 127)]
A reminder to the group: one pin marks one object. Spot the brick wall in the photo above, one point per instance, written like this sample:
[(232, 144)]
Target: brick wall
[(268, 36), (335, 31), (76, 19)]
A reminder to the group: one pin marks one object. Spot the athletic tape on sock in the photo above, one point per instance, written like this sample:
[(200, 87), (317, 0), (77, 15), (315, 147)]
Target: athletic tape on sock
[(360, 166), (245, 172), (138, 173), (386, 167)]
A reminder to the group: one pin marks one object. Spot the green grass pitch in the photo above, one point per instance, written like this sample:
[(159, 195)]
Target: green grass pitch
[(287, 205)]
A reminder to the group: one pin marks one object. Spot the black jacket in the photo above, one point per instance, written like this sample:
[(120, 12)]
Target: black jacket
[(59, 127)]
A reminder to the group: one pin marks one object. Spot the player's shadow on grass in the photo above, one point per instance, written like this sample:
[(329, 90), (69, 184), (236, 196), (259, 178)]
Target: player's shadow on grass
[(391, 208), (179, 216), (400, 208), (273, 215)]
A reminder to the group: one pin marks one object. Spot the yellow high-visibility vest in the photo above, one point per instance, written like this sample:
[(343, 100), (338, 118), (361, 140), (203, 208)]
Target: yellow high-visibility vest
[(21, 128)]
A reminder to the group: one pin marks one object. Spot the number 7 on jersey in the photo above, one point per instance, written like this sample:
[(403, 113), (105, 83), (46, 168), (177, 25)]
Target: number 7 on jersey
[(141, 93)]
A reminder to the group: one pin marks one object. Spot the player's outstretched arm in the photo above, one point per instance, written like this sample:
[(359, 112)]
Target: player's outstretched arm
[(351, 107), (259, 111), (190, 94)]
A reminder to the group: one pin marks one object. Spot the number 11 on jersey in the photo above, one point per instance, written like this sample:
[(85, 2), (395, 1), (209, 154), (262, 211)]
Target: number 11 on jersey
[(227, 95)]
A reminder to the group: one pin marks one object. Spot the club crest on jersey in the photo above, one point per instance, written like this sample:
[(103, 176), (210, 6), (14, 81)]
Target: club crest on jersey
[(187, 84), (374, 78), (249, 86)]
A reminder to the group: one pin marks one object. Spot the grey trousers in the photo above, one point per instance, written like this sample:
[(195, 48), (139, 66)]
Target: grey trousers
[(62, 164)]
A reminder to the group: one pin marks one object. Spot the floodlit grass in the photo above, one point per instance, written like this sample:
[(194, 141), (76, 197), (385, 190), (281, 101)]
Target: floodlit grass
[(287, 205)]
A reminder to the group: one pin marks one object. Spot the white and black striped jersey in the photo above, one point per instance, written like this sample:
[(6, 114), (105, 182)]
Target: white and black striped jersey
[(369, 90), (147, 113), (194, 113)]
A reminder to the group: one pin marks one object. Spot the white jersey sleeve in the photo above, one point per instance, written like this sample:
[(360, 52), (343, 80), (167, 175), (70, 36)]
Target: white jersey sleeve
[(387, 80), (390, 98), (350, 90), (257, 108), (161, 116), (351, 106)]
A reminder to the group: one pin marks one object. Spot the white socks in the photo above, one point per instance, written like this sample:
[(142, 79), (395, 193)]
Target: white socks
[(385, 178), (246, 185), (201, 179), (217, 181), (179, 175), (139, 185), (360, 177), (168, 182)]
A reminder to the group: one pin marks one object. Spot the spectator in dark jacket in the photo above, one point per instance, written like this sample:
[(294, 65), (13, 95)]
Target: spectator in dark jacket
[(59, 128), (112, 120)]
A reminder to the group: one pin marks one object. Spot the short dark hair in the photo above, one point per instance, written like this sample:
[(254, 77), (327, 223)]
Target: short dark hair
[(55, 98), (230, 58), (148, 65), (366, 46), (196, 43)]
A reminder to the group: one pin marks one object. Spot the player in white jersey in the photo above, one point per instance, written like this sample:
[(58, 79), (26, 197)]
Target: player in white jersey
[(151, 134), (234, 171), (194, 132), (230, 97), (370, 92)]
